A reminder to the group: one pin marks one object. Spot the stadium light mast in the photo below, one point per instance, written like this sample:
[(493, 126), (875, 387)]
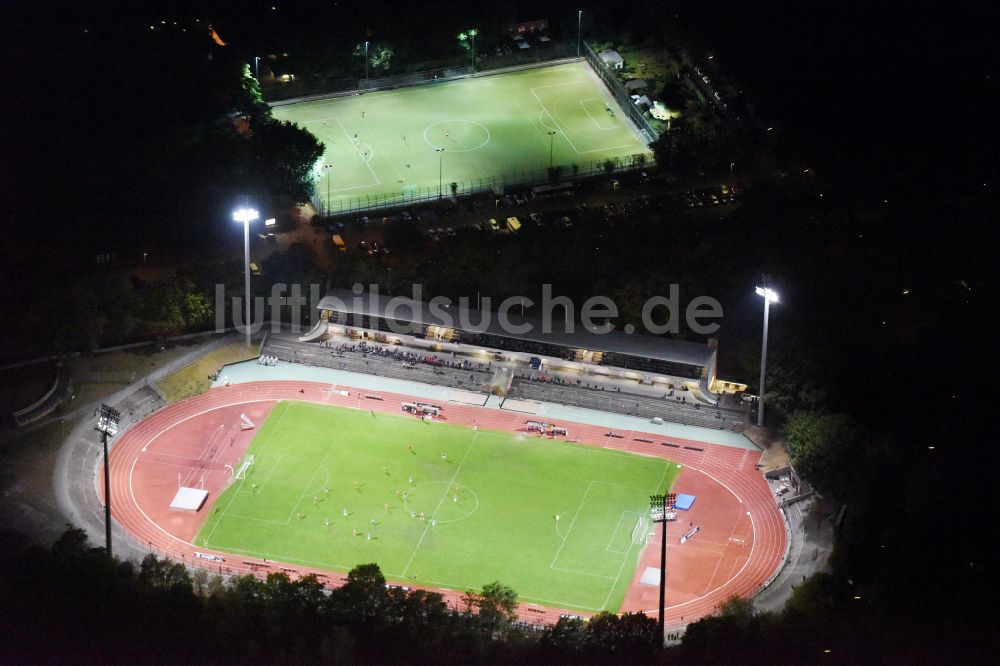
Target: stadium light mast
[(256, 67), (472, 35), (246, 215), (366, 62), (579, 23), (440, 152), (328, 167), (770, 296), (107, 424), (658, 507), (552, 138)]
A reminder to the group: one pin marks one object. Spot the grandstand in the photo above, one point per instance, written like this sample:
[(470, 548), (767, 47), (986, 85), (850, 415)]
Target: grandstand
[(634, 375)]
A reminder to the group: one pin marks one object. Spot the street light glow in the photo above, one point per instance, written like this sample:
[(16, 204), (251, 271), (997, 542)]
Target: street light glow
[(245, 215), (770, 294)]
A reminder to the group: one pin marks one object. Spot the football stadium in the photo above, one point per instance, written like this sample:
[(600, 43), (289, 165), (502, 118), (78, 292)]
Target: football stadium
[(454, 457)]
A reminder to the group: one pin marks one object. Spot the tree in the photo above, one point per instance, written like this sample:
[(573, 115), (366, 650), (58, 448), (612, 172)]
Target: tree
[(567, 636), (628, 633), (382, 57), (496, 605), (286, 155), (249, 100), (823, 448), (363, 598)]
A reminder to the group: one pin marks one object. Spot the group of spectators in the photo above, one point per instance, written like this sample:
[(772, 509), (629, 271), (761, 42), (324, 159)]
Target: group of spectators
[(409, 358)]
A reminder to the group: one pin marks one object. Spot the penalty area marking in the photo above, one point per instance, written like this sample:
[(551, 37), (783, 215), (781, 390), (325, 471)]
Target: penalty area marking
[(614, 124)]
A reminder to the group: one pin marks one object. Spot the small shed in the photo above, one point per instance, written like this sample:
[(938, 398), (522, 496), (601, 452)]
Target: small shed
[(611, 58), (635, 85), (642, 100)]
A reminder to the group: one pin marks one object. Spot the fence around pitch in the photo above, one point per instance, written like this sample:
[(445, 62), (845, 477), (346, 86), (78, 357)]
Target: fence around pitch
[(463, 188), (621, 95), (318, 87)]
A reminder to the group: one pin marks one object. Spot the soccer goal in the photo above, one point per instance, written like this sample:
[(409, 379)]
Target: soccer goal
[(246, 423), (245, 468), (641, 531)]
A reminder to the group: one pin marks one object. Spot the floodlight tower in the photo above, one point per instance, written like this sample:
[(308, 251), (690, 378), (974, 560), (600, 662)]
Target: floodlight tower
[(472, 35), (658, 507), (107, 424), (440, 152), (256, 67), (552, 137), (366, 62), (770, 296), (327, 167), (246, 215)]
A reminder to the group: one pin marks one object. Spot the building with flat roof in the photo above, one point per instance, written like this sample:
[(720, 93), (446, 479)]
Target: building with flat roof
[(560, 344)]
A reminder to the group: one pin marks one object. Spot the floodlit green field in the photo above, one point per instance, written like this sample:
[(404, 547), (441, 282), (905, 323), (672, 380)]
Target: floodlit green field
[(385, 144), (489, 505)]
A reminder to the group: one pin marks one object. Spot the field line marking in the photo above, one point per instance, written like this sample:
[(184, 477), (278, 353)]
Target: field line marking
[(572, 522), (440, 502), (379, 144), (556, 85), (749, 557), (305, 492), (582, 573), (597, 150), (260, 452), (614, 532), (347, 134), (239, 489), (587, 111), (615, 584), (722, 552), (527, 117), (556, 121)]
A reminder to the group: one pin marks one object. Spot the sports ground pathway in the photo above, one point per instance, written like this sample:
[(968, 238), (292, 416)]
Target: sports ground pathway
[(740, 544)]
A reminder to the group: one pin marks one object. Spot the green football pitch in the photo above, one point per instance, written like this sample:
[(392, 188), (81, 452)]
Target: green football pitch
[(385, 144), (488, 502)]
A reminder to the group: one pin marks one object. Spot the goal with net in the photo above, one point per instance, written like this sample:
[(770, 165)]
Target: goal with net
[(640, 531), (245, 467)]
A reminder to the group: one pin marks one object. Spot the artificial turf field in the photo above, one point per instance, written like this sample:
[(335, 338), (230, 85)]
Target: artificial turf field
[(492, 500), (385, 143)]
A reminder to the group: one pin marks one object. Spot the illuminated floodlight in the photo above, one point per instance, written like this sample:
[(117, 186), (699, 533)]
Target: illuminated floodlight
[(270, 222), (245, 215), (770, 294)]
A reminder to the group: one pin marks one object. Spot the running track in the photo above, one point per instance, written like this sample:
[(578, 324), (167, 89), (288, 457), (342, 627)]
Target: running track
[(740, 545)]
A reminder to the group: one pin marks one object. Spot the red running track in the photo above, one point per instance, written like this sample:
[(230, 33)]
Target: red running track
[(740, 544)]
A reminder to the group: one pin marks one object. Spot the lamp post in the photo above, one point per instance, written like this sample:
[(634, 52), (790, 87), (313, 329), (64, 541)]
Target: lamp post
[(256, 67), (246, 215), (107, 424), (472, 35), (327, 167), (552, 138), (770, 296), (579, 22), (658, 506), (440, 152), (366, 62)]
